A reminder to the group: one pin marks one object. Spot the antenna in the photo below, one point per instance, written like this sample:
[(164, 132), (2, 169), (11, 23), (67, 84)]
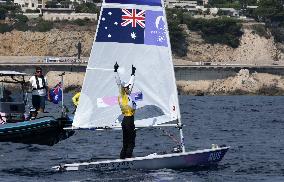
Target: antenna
[(62, 88)]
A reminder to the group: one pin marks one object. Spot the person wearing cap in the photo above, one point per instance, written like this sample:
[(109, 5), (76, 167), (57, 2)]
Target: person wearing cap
[(128, 107), (75, 100), (39, 90)]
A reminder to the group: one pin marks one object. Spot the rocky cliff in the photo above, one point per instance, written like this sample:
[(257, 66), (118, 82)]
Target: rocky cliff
[(53, 43), (253, 49)]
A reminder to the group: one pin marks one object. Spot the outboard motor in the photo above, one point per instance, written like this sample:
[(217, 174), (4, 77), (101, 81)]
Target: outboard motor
[(33, 114)]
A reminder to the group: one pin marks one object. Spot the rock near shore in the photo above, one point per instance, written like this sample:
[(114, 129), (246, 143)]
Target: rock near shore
[(243, 83)]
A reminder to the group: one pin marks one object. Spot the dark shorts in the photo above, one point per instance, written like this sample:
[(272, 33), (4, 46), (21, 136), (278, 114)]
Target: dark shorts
[(38, 102)]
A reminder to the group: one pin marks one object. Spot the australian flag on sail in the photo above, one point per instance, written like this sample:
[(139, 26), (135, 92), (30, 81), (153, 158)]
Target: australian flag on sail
[(132, 26), (139, 2), (56, 94)]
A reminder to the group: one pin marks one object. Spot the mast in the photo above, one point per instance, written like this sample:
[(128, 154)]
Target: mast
[(62, 102)]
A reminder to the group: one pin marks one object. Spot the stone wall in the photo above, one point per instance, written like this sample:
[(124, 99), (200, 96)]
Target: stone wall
[(68, 16)]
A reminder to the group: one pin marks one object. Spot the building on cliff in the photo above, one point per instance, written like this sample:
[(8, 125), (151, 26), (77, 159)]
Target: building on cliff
[(185, 4), (55, 14), (28, 4), (38, 4)]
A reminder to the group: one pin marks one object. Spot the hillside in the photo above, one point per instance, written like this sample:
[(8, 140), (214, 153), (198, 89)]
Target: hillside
[(52, 43), (253, 49)]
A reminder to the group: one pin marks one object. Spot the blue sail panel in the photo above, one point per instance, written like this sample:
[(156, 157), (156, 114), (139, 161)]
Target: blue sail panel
[(132, 26)]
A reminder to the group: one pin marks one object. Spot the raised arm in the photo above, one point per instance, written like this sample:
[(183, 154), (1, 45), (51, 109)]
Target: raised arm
[(117, 78), (132, 78)]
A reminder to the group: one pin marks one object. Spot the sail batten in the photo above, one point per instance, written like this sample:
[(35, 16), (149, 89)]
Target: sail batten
[(129, 34)]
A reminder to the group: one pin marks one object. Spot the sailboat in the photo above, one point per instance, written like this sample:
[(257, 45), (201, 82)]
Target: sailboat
[(134, 32)]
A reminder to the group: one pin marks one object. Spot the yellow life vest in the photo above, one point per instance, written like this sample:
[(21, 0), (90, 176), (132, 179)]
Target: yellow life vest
[(125, 104), (75, 99)]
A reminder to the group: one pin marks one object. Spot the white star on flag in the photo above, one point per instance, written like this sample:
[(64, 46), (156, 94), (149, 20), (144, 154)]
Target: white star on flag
[(109, 13), (109, 36), (115, 23), (133, 35), (103, 19)]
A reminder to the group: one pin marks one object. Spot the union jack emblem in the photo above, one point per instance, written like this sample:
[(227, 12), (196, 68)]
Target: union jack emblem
[(57, 88), (131, 16)]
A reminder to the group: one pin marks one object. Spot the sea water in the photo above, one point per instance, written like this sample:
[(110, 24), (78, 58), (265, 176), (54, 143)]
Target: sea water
[(252, 125)]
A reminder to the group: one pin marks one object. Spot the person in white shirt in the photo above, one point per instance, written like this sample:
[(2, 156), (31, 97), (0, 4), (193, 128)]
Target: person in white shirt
[(39, 90)]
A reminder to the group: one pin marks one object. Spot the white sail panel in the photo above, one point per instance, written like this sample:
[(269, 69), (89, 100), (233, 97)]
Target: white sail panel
[(154, 76)]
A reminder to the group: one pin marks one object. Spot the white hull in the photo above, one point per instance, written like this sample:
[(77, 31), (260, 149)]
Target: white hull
[(172, 161)]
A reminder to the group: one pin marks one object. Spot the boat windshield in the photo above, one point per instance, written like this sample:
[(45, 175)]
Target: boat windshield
[(11, 89), (6, 95)]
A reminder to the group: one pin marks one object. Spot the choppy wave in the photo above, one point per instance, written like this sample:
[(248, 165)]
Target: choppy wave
[(252, 126)]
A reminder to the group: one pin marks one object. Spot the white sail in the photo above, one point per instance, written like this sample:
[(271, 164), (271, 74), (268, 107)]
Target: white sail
[(136, 35)]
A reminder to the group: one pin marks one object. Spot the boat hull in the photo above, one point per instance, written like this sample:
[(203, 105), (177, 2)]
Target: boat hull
[(44, 131), (184, 160)]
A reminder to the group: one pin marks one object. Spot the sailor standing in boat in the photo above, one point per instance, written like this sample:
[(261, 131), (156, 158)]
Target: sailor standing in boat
[(75, 100), (39, 90), (128, 107)]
